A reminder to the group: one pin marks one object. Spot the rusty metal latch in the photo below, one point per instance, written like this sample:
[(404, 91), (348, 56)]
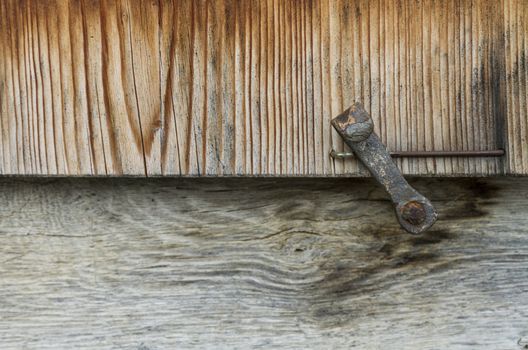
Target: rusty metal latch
[(415, 212)]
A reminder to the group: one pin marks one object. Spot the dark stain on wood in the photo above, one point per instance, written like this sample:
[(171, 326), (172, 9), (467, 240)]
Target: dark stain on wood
[(481, 189), (433, 236), (396, 253), (464, 211)]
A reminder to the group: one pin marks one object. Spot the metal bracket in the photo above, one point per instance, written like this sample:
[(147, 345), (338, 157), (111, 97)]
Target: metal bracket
[(415, 212)]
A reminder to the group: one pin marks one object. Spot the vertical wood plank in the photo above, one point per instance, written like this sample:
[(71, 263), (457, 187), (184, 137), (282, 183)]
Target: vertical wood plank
[(165, 87)]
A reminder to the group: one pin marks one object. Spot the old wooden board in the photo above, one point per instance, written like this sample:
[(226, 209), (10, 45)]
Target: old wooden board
[(225, 87), (238, 264)]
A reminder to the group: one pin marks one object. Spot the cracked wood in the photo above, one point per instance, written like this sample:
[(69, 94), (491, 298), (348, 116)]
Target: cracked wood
[(226, 87)]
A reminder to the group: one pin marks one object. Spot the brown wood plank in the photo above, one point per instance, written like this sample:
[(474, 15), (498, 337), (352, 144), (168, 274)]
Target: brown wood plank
[(165, 87), (270, 263)]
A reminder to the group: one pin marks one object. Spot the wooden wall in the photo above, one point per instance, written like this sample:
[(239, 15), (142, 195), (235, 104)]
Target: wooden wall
[(260, 263), (189, 87)]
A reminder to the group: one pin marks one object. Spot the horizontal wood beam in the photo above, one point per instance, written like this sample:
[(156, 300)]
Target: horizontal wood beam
[(247, 263)]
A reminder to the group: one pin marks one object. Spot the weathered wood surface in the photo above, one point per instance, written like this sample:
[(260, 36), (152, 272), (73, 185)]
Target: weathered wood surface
[(238, 264), (224, 87)]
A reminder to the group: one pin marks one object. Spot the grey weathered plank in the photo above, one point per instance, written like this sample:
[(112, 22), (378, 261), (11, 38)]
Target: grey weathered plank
[(179, 263)]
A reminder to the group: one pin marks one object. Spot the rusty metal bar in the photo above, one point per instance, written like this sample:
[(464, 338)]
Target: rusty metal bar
[(414, 154), (414, 211)]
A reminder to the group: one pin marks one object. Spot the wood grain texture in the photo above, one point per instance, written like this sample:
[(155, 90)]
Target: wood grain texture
[(227, 87), (246, 263), (516, 83)]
